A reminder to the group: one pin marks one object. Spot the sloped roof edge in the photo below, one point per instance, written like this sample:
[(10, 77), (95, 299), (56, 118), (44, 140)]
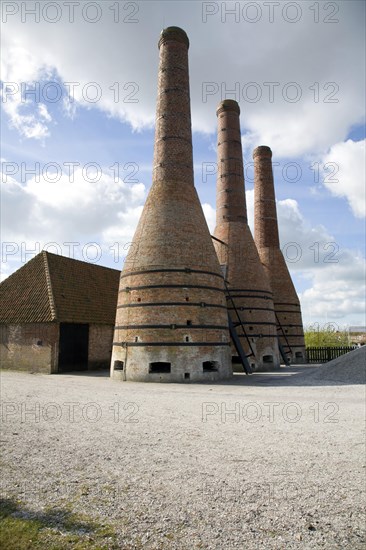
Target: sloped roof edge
[(55, 288), (49, 286)]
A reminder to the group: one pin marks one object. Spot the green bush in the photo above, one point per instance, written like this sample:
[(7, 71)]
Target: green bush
[(327, 336)]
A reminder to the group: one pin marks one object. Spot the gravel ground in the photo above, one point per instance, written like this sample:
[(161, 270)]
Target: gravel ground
[(260, 462)]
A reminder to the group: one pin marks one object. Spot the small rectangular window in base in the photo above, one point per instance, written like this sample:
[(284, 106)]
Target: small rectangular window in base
[(210, 366), (159, 367), (118, 365)]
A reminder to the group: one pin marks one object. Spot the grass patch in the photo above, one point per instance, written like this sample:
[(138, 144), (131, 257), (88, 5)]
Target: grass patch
[(24, 529)]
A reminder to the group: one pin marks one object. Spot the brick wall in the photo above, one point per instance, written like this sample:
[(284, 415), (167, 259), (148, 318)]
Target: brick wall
[(31, 347), (100, 346)]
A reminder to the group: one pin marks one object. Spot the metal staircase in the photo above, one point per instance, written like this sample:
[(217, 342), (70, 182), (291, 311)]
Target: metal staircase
[(232, 326), (235, 337), (283, 350)]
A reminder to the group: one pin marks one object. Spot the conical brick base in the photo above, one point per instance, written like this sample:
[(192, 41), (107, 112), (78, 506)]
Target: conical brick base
[(171, 322)]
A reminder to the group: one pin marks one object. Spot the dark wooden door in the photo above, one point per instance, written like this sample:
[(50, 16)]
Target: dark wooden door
[(73, 352)]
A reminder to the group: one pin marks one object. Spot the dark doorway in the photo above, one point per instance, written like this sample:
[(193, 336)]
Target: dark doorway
[(74, 341)]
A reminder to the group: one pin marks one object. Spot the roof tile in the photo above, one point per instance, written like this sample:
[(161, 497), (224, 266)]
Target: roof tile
[(55, 288)]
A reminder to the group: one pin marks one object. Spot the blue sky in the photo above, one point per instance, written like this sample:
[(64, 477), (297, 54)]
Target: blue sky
[(314, 121)]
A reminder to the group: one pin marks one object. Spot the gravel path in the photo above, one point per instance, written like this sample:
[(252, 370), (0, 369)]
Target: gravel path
[(260, 462)]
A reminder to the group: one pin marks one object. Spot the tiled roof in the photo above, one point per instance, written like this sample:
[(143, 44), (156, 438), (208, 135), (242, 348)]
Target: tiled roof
[(25, 295), (55, 288)]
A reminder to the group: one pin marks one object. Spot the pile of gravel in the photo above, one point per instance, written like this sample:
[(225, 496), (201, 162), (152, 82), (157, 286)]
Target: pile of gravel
[(349, 368)]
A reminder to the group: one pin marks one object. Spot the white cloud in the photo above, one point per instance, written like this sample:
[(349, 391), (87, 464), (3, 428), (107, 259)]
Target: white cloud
[(336, 273), (26, 123), (43, 111), (346, 162), (304, 246), (6, 270), (106, 54), (69, 107), (123, 230), (20, 71), (80, 193), (69, 210), (337, 291), (210, 215), (19, 65)]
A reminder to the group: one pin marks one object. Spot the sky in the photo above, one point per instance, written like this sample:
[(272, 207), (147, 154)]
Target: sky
[(78, 95)]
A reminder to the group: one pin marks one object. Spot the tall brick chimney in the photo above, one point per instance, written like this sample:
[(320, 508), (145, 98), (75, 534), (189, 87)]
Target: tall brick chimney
[(249, 297), (171, 322), (286, 301)]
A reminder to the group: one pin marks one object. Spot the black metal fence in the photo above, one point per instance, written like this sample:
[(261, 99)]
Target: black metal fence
[(324, 354)]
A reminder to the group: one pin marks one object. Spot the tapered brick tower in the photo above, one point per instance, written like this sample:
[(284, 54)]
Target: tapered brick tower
[(286, 301), (171, 322), (249, 296)]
